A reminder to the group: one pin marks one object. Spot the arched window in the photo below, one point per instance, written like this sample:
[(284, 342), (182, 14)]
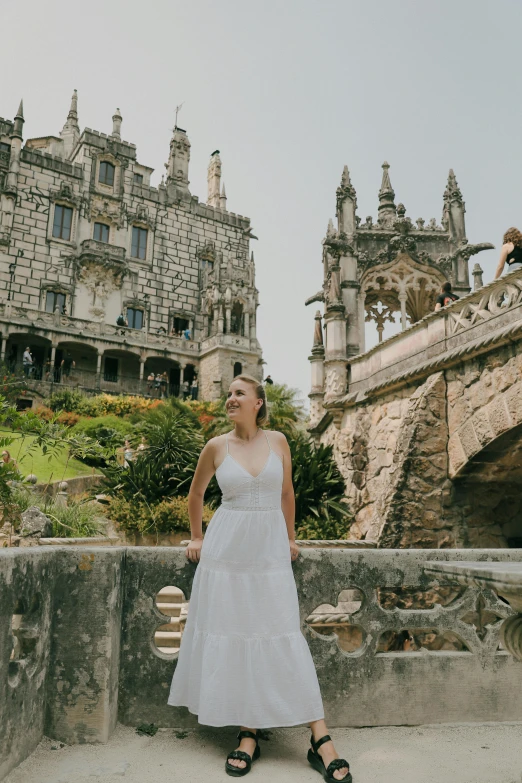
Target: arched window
[(238, 368), (237, 319)]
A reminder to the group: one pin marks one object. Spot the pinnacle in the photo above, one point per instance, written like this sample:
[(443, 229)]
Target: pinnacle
[(20, 112)]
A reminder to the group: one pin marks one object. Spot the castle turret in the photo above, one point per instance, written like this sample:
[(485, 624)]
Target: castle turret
[(178, 166), (71, 130), (214, 180), (9, 195), (116, 124), (387, 211)]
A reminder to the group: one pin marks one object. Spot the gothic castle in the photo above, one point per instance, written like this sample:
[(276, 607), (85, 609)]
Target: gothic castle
[(122, 279)]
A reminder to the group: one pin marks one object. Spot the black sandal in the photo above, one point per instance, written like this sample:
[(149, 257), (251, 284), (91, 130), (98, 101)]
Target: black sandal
[(238, 772), (317, 762)]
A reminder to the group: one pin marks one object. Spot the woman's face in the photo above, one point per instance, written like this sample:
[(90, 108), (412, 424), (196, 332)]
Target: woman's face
[(242, 401), (5, 456)]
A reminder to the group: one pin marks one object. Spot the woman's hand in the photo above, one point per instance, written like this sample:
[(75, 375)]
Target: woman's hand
[(194, 549), (294, 550)]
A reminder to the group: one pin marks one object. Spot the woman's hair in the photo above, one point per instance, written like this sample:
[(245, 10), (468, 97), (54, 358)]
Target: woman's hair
[(262, 414), (513, 235), (6, 453)]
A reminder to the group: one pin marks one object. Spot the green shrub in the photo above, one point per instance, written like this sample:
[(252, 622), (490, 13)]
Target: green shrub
[(107, 430), (68, 400), (167, 465), (168, 516), (318, 484), (324, 529), (68, 419)]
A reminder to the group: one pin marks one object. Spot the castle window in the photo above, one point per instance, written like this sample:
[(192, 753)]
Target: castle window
[(238, 368), (62, 222), (106, 175), (138, 179), (139, 242), (53, 300), (179, 325), (134, 318), (5, 147), (101, 232)]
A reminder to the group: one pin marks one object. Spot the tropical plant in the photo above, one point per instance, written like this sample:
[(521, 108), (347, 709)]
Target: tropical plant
[(166, 467), (80, 518), (68, 400), (11, 385), (318, 484)]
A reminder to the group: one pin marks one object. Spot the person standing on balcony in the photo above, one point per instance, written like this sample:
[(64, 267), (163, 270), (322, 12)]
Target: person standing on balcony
[(164, 384), (243, 659), (511, 252), (185, 389), (194, 389), (67, 365), (27, 362), (446, 296), (150, 382), (186, 333)]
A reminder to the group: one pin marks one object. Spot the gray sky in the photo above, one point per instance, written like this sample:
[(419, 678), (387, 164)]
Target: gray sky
[(290, 91)]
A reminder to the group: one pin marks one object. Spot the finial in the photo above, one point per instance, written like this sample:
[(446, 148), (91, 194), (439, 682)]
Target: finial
[(318, 331), (223, 198), (18, 122), (20, 112), (116, 124), (330, 231), (346, 189), (71, 126), (387, 210)]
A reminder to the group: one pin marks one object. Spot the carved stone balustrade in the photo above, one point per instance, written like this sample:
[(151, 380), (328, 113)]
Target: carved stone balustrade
[(78, 640), (93, 250), (504, 578), (466, 328)]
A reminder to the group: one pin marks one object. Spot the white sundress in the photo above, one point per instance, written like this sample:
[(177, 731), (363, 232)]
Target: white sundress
[(243, 659)]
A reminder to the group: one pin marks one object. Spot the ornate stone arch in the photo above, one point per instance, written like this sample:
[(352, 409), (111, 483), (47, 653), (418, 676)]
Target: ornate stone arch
[(402, 285)]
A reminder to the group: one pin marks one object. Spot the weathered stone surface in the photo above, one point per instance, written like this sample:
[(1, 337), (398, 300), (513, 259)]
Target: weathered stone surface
[(35, 524)]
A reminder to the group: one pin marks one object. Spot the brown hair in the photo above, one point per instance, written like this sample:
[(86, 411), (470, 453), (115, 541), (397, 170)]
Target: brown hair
[(262, 414), (513, 235)]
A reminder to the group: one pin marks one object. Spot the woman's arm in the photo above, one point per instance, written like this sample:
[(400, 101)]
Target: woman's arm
[(204, 471), (287, 493), (506, 250)]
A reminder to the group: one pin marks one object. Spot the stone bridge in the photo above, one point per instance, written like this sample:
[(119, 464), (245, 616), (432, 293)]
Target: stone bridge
[(429, 433), (78, 651)]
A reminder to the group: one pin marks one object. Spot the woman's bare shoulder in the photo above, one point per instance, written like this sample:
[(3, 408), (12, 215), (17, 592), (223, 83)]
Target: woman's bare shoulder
[(509, 246), (276, 437)]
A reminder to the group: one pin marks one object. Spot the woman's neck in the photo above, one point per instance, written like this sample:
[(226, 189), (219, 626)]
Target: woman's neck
[(246, 432)]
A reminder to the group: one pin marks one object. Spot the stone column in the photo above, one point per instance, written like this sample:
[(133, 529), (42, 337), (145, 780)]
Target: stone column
[(361, 318), (220, 321), (402, 299), (335, 355), (3, 343), (316, 360), (228, 313), (477, 277), (98, 368), (142, 368), (246, 325)]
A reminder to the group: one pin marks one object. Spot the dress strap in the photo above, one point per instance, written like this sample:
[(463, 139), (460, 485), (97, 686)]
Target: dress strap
[(267, 440), (226, 440)]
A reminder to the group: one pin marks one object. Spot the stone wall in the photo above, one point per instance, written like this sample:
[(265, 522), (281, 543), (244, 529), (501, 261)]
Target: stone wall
[(437, 463), (77, 647)]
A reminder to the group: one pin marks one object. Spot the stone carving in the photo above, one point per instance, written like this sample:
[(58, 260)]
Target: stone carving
[(504, 296), (335, 384)]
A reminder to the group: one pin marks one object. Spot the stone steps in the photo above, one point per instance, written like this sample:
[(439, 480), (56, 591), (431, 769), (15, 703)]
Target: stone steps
[(170, 601)]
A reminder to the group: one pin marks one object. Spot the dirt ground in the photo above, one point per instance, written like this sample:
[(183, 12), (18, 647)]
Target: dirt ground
[(485, 753)]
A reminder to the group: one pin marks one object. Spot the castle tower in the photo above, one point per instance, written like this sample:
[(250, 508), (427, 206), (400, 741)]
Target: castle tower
[(388, 271), (214, 180), (70, 132), (178, 167)]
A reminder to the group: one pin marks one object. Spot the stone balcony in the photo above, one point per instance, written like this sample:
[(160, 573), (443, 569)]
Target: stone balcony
[(78, 648), (467, 327)]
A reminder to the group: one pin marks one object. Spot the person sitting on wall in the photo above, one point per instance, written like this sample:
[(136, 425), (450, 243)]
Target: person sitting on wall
[(511, 253), (121, 321), (268, 379), (446, 296)]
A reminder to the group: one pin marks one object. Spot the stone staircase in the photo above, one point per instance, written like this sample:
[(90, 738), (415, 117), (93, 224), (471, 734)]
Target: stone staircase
[(171, 602)]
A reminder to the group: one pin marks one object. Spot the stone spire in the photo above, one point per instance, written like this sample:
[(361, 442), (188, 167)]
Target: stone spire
[(454, 210), (214, 180), (318, 346), (178, 166), (70, 132), (223, 199), (387, 211), (330, 231), (116, 125), (346, 200), (18, 122)]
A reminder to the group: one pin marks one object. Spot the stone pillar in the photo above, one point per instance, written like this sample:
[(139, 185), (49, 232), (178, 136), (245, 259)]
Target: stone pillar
[(220, 321), (142, 368), (228, 313), (361, 319), (335, 355), (3, 343), (253, 327), (402, 299), (316, 360), (246, 325), (98, 367), (214, 180)]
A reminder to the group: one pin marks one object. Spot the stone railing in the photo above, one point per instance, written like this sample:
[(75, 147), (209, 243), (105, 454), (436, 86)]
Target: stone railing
[(467, 327), (392, 645), (235, 340), (79, 328)]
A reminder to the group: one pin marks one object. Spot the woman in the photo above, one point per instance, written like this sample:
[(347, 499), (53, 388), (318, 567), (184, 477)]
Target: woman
[(511, 253), (243, 659)]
